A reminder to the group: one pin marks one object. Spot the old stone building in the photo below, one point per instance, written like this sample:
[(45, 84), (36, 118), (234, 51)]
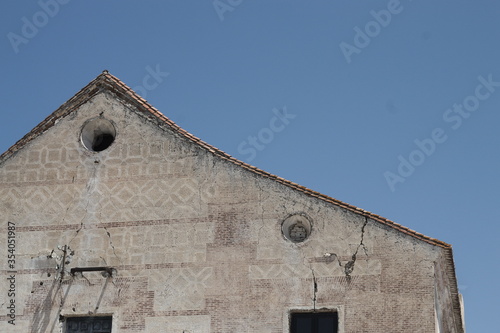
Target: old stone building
[(116, 220)]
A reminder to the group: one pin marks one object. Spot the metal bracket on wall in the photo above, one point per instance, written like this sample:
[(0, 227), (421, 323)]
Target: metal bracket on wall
[(105, 271)]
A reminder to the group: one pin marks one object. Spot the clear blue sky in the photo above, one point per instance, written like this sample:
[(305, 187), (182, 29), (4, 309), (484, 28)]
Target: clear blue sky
[(362, 93)]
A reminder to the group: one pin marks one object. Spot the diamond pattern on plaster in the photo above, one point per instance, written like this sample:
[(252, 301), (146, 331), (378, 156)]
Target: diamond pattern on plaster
[(180, 288)]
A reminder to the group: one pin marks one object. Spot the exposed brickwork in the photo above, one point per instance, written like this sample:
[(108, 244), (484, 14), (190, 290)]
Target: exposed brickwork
[(195, 236)]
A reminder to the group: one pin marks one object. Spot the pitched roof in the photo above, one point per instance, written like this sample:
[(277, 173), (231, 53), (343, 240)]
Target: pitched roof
[(107, 82)]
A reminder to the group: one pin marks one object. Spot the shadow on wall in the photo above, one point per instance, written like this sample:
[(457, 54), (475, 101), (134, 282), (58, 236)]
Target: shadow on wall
[(42, 310), (43, 305)]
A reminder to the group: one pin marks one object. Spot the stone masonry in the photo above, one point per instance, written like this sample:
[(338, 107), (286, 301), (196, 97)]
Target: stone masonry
[(194, 237)]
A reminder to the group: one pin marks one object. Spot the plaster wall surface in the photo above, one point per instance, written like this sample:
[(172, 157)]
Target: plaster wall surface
[(195, 240)]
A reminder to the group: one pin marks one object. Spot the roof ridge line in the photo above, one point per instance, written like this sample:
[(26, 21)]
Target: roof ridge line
[(108, 82), (281, 180)]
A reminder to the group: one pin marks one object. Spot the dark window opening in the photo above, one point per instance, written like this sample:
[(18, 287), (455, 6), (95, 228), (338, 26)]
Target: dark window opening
[(88, 325), (319, 322), (102, 141), (98, 134)]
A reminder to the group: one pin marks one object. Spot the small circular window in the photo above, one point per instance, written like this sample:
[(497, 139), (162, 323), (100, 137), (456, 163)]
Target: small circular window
[(98, 134), (296, 228)]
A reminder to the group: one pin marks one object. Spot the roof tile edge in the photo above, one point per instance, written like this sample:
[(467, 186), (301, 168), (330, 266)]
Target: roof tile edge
[(108, 82)]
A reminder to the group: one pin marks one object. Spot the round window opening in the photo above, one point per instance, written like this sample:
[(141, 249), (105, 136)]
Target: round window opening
[(98, 134), (296, 228)]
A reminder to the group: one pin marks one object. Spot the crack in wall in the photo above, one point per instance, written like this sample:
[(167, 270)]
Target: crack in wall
[(111, 243), (90, 187), (308, 264), (315, 289), (349, 266), (88, 281), (81, 227), (72, 202)]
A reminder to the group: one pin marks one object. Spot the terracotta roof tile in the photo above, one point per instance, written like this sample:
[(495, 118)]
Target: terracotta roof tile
[(112, 79)]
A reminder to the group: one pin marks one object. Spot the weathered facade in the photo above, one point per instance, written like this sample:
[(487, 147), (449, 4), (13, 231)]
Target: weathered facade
[(115, 216)]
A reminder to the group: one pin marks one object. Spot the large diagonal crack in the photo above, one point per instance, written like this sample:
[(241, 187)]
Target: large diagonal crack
[(349, 266), (111, 243)]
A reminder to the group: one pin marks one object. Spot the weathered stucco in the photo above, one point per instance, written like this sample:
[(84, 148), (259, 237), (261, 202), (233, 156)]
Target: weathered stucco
[(195, 241)]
